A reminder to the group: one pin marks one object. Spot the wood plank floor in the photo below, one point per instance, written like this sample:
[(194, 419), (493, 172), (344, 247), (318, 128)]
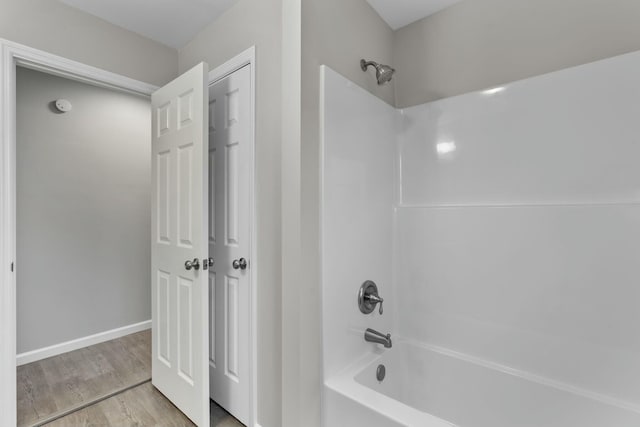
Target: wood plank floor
[(140, 406), (74, 380), (70, 380)]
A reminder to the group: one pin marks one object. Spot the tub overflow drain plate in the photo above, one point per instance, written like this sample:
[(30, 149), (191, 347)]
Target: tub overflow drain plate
[(381, 372)]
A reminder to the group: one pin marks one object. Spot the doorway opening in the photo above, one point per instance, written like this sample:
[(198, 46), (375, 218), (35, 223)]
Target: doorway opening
[(15, 55), (82, 218)]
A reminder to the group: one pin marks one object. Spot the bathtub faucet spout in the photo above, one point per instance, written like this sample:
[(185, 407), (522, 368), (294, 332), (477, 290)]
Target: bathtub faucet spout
[(371, 335)]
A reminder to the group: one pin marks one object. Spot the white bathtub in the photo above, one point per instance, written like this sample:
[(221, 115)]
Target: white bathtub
[(427, 386)]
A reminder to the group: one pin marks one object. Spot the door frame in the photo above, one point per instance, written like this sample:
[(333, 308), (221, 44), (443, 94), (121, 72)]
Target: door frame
[(244, 59), (13, 55)]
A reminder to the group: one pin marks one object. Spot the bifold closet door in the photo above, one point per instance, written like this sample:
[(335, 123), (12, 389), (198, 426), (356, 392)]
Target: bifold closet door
[(230, 163), (180, 308)]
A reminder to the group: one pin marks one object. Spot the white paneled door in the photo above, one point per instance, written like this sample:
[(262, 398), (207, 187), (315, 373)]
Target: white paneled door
[(230, 169), (180, 309)]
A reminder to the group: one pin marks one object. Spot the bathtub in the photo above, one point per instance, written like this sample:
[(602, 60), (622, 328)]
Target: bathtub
[(427, 386)]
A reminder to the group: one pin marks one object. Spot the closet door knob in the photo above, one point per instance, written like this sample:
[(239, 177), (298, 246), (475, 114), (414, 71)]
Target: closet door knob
[(239, 264), (195, 264)]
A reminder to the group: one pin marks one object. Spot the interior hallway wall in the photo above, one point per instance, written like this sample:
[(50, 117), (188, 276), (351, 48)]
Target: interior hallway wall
[(62, 30), (478, 44), (337, 34), (83, 223), (259, 23)]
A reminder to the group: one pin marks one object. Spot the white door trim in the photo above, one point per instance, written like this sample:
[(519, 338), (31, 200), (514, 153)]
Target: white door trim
[(11, 55), (248, 58)]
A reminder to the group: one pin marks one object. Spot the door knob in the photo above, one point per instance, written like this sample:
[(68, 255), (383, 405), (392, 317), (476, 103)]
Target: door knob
[(195, 264), (239, 264), (207, 262)]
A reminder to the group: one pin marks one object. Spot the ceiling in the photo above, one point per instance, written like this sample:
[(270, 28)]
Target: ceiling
[(170, 22), (398, 13)]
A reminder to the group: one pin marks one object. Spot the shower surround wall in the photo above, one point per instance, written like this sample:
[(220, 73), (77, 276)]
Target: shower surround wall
[(358, 197), (358, 188), (515, 237), (521, 244)]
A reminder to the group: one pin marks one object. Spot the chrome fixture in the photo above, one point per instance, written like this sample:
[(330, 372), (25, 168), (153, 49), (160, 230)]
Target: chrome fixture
[(381, 372), (239, 264), (368, 297), (371, 335), (195, 264), (207, 262), (384, 73)]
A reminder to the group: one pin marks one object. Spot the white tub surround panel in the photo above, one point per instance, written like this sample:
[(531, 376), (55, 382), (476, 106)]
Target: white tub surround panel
[(512, 240), (519, 227), (358, 149), (551, 291), (565, 137)]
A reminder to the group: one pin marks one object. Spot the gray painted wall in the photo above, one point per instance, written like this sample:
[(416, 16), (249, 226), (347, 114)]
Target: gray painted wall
[(83, 222), (57, 28), (483, 43), (336, 33), (340, 40), (294, 410), (259, 23)]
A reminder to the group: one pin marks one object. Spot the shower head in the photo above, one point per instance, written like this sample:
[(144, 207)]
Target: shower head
[(384, 73)]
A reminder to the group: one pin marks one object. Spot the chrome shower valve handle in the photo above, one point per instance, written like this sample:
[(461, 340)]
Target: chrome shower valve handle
[(374, 299), (368, 298)]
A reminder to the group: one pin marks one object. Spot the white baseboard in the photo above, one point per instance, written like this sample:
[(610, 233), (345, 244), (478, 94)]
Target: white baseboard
[(54, 350)]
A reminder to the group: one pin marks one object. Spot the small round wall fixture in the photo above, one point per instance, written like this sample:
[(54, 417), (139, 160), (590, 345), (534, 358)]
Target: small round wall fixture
[(63, 105)]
